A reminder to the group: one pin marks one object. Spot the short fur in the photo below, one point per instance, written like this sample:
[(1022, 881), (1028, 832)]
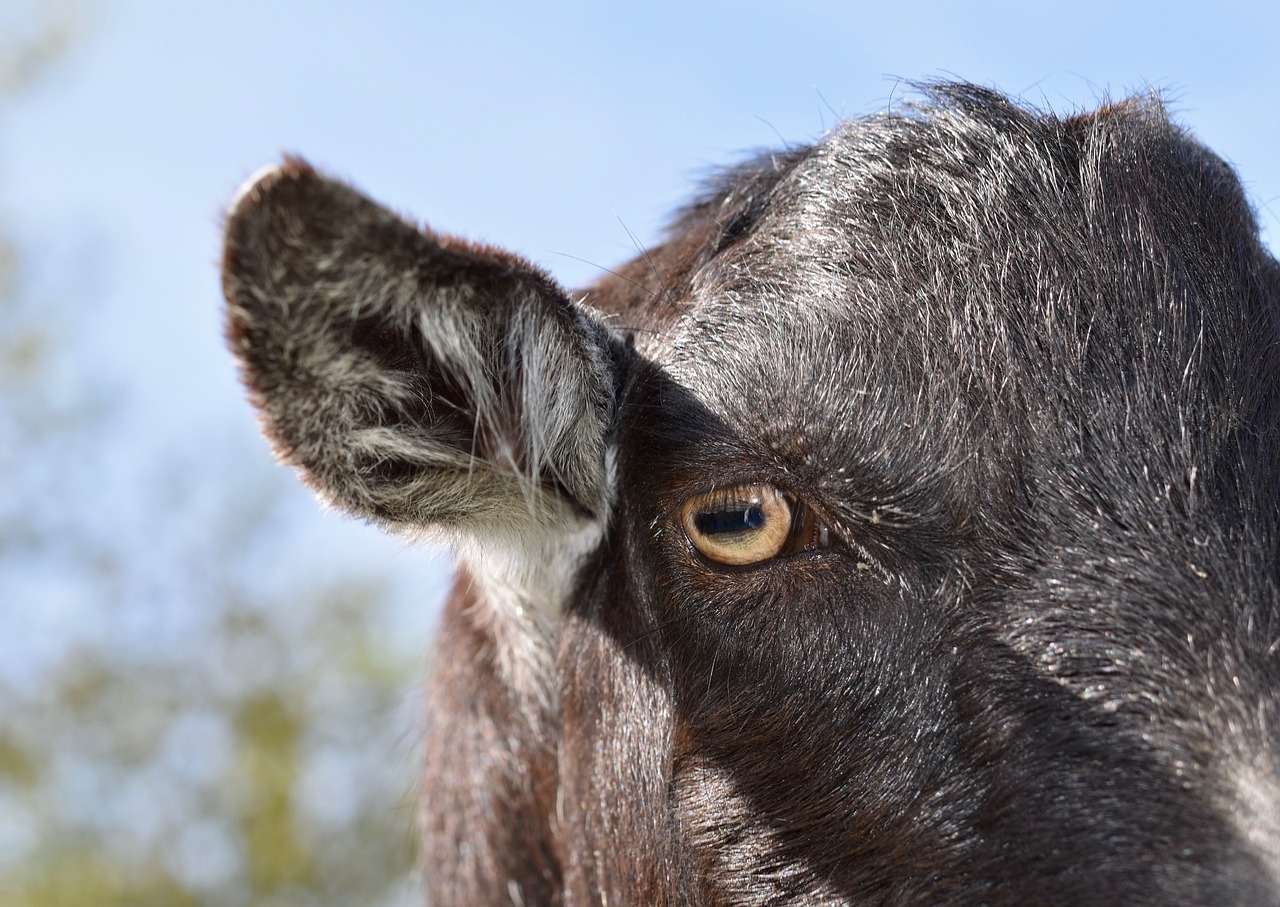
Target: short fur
[(1023, 368)]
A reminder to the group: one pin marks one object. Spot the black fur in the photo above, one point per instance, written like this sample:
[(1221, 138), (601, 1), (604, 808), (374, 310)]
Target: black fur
[(1023, 370)]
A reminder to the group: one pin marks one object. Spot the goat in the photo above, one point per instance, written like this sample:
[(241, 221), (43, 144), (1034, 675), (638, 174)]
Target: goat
[(902, 529)]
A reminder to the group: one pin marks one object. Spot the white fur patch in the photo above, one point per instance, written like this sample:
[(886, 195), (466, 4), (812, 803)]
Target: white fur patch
[(526, 571), (525, 580), (1257, 814)]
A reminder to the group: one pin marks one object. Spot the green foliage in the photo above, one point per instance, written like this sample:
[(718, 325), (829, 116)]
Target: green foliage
[(167, 781), (174, 728)]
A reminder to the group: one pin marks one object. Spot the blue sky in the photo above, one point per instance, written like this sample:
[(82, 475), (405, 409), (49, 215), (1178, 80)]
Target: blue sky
[(566, 131)]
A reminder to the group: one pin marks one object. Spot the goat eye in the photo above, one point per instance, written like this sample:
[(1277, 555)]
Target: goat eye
[(740, 525)]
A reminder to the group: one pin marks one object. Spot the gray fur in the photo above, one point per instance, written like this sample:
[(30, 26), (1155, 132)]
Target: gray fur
[(313, 267), (1025, 372)]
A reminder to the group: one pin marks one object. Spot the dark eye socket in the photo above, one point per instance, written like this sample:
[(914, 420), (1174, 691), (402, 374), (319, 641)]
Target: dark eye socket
[(746, 524)]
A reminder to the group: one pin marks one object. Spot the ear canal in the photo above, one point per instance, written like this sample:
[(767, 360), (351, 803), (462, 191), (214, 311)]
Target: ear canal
[(413, 379)]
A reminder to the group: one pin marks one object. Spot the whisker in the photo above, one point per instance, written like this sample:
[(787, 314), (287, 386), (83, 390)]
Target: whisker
[(644, 253), (658, 629), (610, 271)]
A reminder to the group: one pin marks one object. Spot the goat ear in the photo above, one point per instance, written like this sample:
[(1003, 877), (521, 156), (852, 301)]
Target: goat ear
[(412, 378)]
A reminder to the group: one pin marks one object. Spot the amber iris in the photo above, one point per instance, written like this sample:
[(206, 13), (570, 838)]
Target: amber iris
[(739, 525)]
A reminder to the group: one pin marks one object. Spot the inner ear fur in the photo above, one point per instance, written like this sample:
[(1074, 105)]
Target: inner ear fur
[(412, 378)]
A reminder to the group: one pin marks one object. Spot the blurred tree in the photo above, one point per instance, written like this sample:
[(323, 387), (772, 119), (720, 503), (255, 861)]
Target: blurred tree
[(174, 729)]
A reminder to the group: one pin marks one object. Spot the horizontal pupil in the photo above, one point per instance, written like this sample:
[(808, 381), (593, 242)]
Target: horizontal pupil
[(737, 519)]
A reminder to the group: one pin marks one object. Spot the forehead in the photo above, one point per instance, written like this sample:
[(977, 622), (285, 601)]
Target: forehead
[(982, 247), (867, 275), (942, 314)]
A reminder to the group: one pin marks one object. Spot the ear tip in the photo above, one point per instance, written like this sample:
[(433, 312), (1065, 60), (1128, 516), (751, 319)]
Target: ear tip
[(265, 179), (248, 214)]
